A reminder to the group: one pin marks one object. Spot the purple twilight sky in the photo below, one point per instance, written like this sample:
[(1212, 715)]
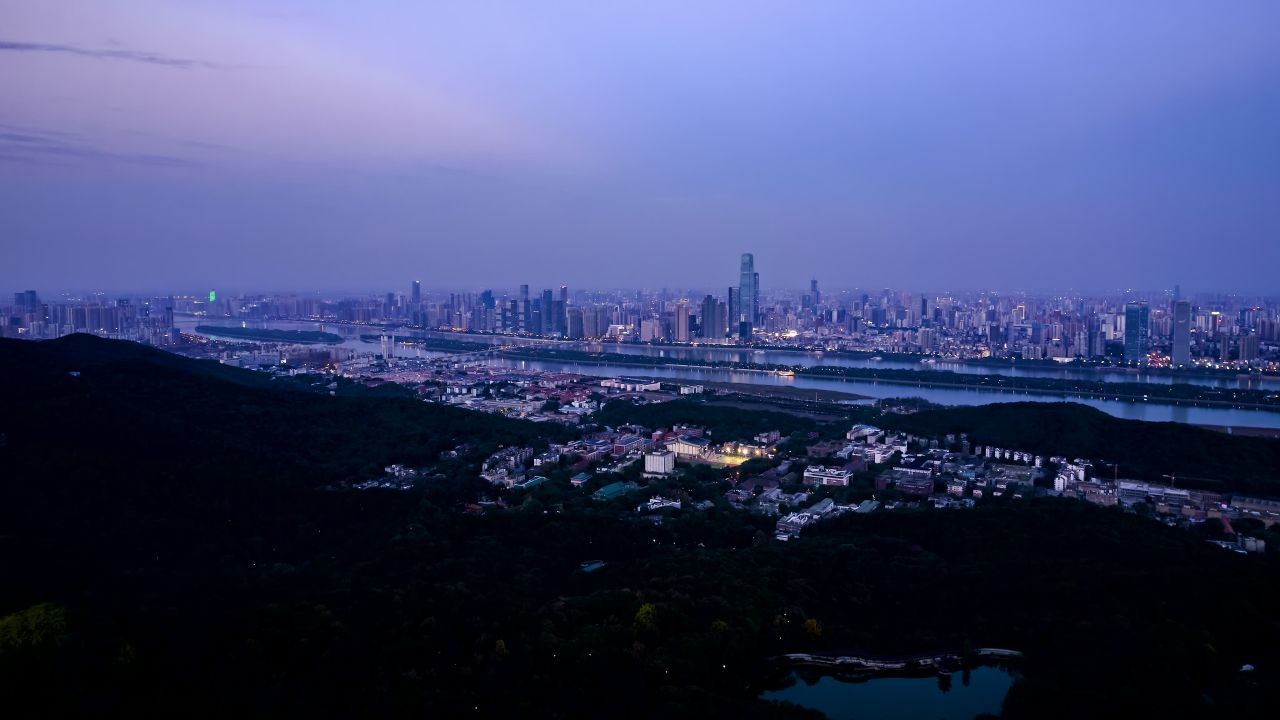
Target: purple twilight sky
[(303, 144)]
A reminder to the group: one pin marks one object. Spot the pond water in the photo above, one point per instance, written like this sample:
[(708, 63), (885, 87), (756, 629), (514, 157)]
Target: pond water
[(967, 694)]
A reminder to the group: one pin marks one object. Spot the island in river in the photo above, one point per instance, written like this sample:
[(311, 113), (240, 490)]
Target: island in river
[(305, 337)]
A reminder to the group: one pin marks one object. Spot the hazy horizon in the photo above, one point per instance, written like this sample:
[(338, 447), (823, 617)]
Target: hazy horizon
[(235, 144), (536, 287)]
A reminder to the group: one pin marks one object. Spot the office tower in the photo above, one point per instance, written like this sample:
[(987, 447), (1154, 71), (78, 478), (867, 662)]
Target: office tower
[(26, 302), (682, 321), (755, 299), (1137, 318), (708, 327), (562, 312), (813, 292), (547, 310), (576, 327), (415, 295), (1180, 353), (747, 300), (734, 311)]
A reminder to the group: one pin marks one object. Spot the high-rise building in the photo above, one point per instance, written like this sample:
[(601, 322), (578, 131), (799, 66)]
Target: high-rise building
[(682, 321), (756, 318), (415, 296), (1248, 347), (576, 327), (710, 324), (735, 307), (748, 296), (1137, 331), (547, 308), (1180, 352)]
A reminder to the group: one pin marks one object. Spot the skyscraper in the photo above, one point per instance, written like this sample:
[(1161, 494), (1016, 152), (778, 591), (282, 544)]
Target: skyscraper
[(710, 325), (755, 299), (734, 311), (524, 311), (547, 308), (682, 321), (748, 296), (1180, 353), (415, 296), (1137, 322)]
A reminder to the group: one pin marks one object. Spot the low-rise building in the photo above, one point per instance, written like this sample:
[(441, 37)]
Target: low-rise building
[(825, 475), (688, 446), (614, 490)]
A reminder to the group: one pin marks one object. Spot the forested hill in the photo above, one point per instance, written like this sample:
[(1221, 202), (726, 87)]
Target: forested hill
[(118, 410), (1146, 450), (172, 546)]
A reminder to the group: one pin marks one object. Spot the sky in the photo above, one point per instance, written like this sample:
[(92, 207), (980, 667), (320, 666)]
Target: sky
[(308, 144)]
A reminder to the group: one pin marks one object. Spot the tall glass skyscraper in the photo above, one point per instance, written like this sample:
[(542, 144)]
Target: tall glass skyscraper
[(1180, 354), (748, 296), (1137, 331)]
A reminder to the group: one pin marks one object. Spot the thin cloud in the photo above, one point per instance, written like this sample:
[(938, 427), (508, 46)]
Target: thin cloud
[(35, 146), (138, 56)]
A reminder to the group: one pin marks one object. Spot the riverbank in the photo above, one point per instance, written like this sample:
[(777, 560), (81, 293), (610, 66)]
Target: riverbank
[(1178, 395), (300, 337)]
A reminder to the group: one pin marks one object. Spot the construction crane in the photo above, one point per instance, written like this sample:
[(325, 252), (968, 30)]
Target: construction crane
[(1173, 478)]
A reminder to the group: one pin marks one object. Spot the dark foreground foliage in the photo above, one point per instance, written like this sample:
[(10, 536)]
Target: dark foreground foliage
[(166, 561)]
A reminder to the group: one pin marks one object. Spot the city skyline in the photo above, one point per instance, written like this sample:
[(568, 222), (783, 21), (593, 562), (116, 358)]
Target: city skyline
[(1155, 330), (1028, 148)]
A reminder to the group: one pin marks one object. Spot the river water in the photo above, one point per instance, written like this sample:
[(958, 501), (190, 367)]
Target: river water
[(1152, 411), (1158, 412), (350, 334), (708, 353)]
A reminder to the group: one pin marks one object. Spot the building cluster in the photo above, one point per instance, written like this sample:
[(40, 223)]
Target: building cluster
[(1188, 505), (1155, 329)]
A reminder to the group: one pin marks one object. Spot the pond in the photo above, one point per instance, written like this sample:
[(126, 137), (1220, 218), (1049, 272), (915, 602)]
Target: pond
[(960, 696)]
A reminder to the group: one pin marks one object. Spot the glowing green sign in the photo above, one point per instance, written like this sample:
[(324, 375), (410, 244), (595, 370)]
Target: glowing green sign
[(213, 295)]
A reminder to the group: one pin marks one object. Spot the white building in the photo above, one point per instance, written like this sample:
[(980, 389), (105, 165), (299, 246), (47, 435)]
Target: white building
[(661, 462), (687, 446), (822, 475)]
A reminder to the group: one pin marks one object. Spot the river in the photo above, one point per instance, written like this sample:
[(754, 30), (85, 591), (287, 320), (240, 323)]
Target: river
[(1151, 411), (708, 353), (350, 334)]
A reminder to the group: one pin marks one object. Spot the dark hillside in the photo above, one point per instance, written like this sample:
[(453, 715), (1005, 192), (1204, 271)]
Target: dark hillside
[(1146, 450)]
